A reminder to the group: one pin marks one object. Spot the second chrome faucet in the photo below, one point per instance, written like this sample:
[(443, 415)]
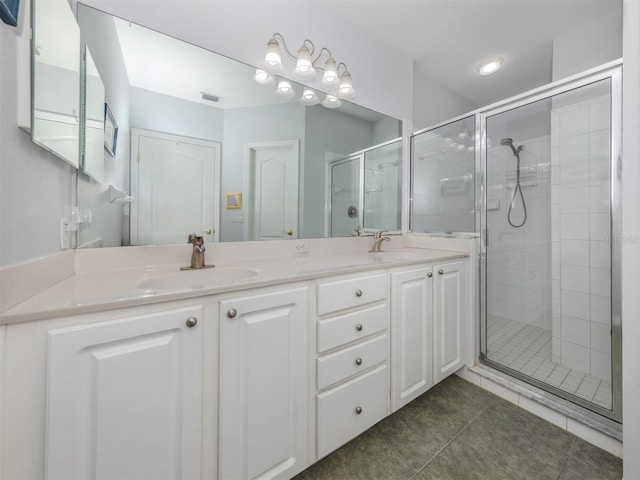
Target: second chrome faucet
[(197, 254), (378, 238)]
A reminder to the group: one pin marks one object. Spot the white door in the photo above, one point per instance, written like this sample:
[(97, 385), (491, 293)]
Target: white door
[(124, 398), (175, 182), (263, 385), (449, 316), (272, 188), (411, 334)]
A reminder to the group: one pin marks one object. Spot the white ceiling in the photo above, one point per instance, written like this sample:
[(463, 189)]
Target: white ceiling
[(448, 38)]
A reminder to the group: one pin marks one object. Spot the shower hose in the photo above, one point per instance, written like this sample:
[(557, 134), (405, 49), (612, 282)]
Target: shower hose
[(516, 190)]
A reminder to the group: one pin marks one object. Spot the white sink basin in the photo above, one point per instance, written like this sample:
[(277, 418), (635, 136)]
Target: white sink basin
[(197, 279)]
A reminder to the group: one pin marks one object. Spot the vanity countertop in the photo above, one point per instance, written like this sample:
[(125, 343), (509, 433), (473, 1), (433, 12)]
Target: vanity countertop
[(110, 289)]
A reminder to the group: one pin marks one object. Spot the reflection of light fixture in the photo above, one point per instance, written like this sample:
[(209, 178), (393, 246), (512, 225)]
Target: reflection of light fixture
[(285, 89), (306, 67), (264, 78), (331, 102), (489, 66), (308, 98)]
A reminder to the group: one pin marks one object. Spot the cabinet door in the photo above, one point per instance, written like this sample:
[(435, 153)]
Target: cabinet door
[(411, 333), (263, 385), (124, 398), (449, 315)]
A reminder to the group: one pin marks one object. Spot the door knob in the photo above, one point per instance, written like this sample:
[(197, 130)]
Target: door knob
[(208, 231), (289, 232)]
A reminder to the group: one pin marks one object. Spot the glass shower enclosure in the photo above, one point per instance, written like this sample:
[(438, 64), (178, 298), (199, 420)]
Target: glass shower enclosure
[(550, 263)]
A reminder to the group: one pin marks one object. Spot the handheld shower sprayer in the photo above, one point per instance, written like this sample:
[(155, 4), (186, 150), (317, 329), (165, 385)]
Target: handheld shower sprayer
[(508, 142)]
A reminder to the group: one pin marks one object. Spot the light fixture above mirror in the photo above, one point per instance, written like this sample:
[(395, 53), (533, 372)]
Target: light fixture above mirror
[(306, 68)]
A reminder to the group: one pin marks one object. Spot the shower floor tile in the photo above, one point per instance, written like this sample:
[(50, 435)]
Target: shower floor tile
[(527, 349)]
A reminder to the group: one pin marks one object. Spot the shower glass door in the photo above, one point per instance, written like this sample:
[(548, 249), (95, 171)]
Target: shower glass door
[(549, 262)]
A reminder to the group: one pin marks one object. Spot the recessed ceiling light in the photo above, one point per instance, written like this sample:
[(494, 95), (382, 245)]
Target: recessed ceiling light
[(489, 66)]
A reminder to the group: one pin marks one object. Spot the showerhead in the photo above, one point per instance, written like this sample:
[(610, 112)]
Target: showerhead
[(509, 142)]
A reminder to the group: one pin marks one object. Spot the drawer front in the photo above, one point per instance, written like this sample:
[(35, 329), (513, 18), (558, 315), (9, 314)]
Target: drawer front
[(335, 296), (345, 329), (350, 361), (338, 417)]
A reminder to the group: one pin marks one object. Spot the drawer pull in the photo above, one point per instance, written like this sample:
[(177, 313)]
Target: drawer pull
[(232, 312), (358, 410), (192, 322), (358, 361), (440, 272), (359, 327), (429, 274), (358, 293)]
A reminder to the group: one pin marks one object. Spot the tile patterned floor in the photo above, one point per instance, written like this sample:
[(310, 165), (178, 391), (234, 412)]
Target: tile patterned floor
[(459, 431), (527, 349)]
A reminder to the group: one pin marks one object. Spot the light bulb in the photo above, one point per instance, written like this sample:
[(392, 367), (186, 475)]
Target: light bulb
[(285, 89), (309, 98), (331, 102), (346, 90), (273, 60), (304, 68), (263, 78), (330, 75)]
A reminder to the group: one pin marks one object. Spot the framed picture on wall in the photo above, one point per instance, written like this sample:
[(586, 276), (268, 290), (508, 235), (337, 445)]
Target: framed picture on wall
[(9, 11), (110, 131), (233, 200)]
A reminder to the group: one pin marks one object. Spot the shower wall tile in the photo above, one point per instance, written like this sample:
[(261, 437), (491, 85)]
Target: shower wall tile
[(576, 330), (574, 148), (601, 310), (601, 282), (600, 251), (575, 356), (574, 121), (574, 278), (574, 252), (601, 365), (574, 226), (599, 144), (575, 304), (574, 200), (599, 199), (601, 337)]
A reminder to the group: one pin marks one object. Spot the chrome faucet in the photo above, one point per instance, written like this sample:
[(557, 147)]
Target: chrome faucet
[(197, 255), (378, 238)]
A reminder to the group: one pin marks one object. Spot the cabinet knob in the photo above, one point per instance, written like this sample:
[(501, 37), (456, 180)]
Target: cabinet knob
[(441, 271), (359, 327), (208, 231), (358, 361), (192, 322), (289, 232), (358, 410), (232, 312), (429, 274), (358, 293)]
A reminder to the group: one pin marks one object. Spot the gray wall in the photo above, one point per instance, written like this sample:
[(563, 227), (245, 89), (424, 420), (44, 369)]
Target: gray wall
[(35, 186), (249, 125)]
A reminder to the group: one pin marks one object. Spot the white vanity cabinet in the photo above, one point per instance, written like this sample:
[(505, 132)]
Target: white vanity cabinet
[(448, 325), (123, 397), (412, 334), (427, 315), (263, 384), (352, 364)]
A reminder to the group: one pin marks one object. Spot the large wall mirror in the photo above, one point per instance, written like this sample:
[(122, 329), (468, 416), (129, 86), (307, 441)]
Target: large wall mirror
[(196, 129)]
